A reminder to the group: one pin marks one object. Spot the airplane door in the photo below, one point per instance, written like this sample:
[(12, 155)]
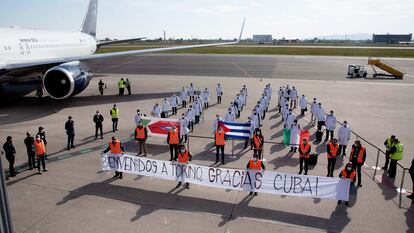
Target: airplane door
[(27, 48), (21, 48)]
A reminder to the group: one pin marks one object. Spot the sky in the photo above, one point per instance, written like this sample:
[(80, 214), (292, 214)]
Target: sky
[(215, 18)]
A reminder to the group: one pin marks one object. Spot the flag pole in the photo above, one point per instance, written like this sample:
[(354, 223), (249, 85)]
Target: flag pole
[(232, 148)]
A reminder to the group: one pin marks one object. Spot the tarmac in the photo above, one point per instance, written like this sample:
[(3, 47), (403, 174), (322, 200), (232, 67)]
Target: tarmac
[(76, 196)]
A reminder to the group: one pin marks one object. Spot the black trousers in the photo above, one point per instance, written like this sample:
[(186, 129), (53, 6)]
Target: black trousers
[(387, 159), (393, 168), (98, 128), (329, 133), (174, 110), (11, 159), (184, 138), (257, 153), (246, 143), (302, 112), (71, 138), (218, 149), (173, 151), (101, 90), (342, 149), (197, 119), (184, 103), (331, 166), (320, 124), (114, 124), (118, 174), (121, 91), (303, 161), (41, 159), (129, 90), (191, 98), (191, 126), (357, 168), (293, 103), (219, 99), (31, 158), (206, 105)]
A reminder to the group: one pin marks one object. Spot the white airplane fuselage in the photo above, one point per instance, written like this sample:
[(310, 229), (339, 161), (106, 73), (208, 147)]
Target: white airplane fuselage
[(26, 45)]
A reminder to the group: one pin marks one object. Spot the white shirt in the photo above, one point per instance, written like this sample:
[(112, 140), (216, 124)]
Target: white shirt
[(197, 108), (344, 134), (165, 106), (137, 118), (314, 107), (330, 122), (215, 123), (191, 90), (230, 117), (293, 94), (191, 115), (303, 103), (289, 120), (219, 91), (206, 95), (183, 126), (174, 101), (320, 114), (157, 111), (255, 119), (183, 95)]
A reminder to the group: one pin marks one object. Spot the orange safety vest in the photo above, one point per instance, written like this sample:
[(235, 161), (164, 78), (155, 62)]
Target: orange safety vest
[(255, 165), (220, 139), (183, 158), (40, 148), (304, 148), (345, 174), (115, 149), (360, 158), (140, 132), (333, 149), (257, 142), (174, 140)]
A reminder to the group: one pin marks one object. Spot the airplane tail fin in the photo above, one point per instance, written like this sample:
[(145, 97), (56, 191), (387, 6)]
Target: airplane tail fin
[(241, 32), (89, 22)]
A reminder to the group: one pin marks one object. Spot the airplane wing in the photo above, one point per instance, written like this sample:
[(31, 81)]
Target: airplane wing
[(103, 43), (53, 62)]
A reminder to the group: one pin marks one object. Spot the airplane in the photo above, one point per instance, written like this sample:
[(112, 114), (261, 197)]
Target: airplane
[(58, 59)]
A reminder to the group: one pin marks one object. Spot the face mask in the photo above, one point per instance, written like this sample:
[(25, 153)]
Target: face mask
[(349, 168), (182, 150)]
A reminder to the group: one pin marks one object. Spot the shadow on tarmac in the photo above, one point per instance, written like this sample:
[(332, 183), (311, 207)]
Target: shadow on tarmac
[(151, 201)]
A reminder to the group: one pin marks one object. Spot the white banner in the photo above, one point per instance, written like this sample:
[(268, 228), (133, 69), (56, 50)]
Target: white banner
[(246, 180)]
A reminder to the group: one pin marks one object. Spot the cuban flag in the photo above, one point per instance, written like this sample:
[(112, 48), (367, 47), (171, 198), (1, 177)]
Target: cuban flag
[(235, 130)]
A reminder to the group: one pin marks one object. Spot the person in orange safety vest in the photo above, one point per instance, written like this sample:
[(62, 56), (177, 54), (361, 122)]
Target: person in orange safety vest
[(304, 155), (348, 172), (258, 142), (255, 164), (141, 135), (183, 157), (220, 142), (40, 151), (116, 148), (173, 139), (332, 150)]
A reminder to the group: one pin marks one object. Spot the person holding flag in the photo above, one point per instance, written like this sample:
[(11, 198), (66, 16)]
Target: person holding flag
[(258, 142), (255, 164), (183, 156), (220, 142), (304, 155), (116, 148)]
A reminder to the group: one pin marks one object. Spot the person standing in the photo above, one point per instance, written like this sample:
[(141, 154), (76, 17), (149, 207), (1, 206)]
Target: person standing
[(29, 143), (330, 124), (184, 97), (191, 92), (191, 118), (198, 109), (116, 148), (258, 142), (141, 135), (357, 157), (290, 118), (174, 104), (396, 154), (40, 151), (348, 172), (128, 86), (320, 116), (165, 108), (184, 129), (251, 133), (98, 120), (156, 110), (332, 150), (389, 143), (121, 87), (10, 152), (220, 142), (70, 131), (173, 139), (344, 135), (230, 116), (411, 171), (183, 156), (216, 123), (303, 104), (101, 86), (255, 164), (138, 117), (41, 132), (294, 136), (115, 116), (293, 97), (206, 98), (219, 93), (314, 110), (304, 155)]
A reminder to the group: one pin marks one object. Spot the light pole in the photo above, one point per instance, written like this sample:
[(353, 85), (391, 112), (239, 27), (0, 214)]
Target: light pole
[(6, 225)]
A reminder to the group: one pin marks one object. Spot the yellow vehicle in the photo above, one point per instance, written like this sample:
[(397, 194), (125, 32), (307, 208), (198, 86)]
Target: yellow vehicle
[(391, 71)]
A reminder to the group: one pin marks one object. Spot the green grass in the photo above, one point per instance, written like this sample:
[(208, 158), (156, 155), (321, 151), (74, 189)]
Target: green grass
[(361, 52)]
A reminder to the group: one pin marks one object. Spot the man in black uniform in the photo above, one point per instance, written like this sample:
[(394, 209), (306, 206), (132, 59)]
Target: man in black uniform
[(29, 143), (10, 154), (70, 131), (101, 86), (98, 119)]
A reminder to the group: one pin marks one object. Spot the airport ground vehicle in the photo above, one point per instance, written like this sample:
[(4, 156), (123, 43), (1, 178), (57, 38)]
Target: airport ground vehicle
[(357, 71)]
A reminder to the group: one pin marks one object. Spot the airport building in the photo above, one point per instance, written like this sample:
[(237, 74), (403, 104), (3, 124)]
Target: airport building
[(391, 38), (262, 38)]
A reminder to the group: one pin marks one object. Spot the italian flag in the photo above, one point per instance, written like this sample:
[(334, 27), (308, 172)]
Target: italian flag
[(159, 127)]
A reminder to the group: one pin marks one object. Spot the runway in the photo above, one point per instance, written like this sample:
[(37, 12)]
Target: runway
[(251, 66)]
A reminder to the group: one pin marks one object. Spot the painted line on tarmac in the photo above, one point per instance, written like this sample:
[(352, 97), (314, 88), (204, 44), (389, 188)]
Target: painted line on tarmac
[(241, 70)]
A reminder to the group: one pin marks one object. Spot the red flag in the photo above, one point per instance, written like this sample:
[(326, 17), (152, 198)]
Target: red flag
[(225, 129), (304, 134)]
